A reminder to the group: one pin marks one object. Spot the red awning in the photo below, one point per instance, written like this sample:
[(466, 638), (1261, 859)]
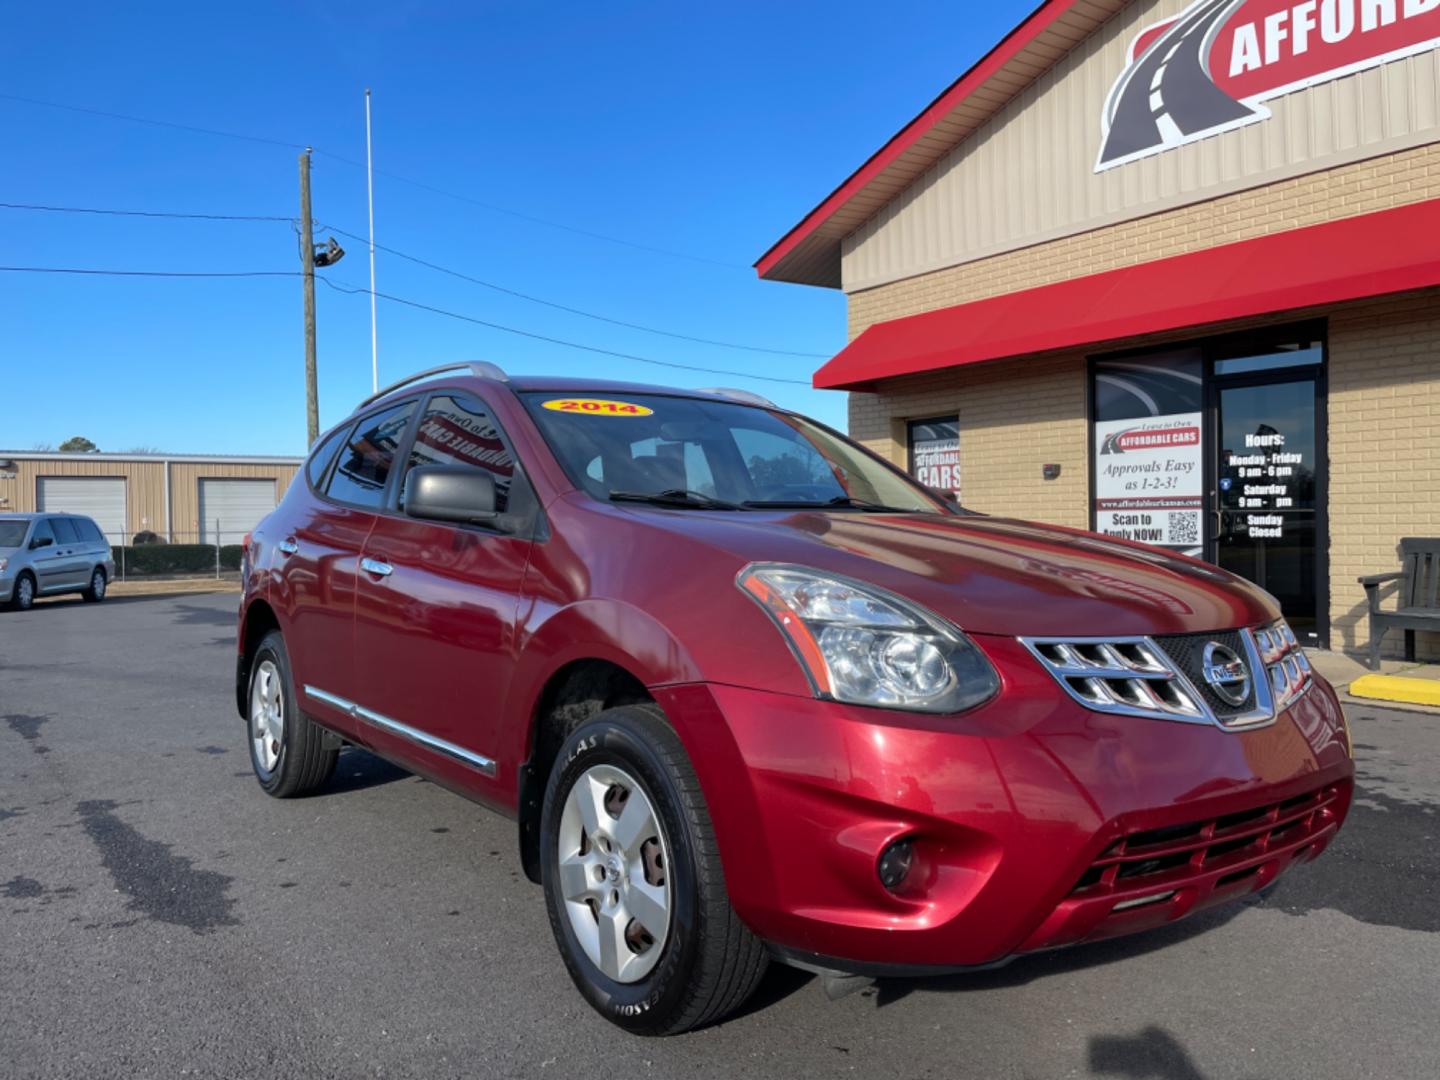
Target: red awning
[(1369, 255)]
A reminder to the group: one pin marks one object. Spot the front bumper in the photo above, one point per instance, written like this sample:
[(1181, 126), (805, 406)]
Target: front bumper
[(1036, 822)]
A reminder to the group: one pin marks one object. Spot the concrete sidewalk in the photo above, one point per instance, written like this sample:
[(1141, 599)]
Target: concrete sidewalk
[(1402, 683)]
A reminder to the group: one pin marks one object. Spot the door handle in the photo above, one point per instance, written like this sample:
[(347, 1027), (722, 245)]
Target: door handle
[(376, 567), (287, 547)]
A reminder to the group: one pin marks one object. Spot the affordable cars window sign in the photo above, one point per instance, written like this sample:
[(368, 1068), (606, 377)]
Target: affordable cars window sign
[(1212, 67)]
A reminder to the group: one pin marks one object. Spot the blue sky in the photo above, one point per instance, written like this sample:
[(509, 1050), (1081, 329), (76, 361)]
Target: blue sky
[(705, 130)]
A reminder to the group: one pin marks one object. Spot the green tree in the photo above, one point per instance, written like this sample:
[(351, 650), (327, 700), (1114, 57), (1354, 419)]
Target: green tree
[(79, 445)]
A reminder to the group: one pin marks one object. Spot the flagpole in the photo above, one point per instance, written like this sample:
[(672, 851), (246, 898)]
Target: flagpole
[(370, 198)]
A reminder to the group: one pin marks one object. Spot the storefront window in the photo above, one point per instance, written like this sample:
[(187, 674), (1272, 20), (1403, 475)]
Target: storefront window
[(935, 453), (1149, 471)]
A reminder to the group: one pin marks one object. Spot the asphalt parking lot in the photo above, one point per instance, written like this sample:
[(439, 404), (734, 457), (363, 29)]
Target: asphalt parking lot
[(159, 916)]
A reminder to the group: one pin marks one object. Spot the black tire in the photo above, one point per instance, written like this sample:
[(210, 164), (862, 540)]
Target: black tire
[(711, 961), (17, 601), (304, 762), (98, 585)]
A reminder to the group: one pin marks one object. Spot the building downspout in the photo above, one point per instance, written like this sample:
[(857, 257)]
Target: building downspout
[(169, 525)]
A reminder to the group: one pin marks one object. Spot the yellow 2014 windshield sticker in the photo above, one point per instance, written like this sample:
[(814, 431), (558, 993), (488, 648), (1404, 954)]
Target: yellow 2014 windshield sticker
[(597, 407)]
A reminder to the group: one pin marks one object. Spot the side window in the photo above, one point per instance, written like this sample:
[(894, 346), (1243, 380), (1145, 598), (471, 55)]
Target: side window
[(368, 455), (64, 531), (458, 430), (321, 457), (42, 529), (88, 530)]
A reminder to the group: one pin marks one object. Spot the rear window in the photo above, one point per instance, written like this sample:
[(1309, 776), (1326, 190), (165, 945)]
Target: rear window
[(64, 531)]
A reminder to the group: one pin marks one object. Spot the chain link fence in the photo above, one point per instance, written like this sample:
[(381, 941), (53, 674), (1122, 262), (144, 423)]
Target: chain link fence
[(211, 552)]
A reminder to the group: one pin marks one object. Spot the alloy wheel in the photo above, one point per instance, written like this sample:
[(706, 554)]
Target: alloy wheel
[(614, 873), (267, 715)]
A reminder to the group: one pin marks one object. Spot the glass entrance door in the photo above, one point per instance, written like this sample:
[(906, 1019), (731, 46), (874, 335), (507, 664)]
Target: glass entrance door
[(1267, 505)]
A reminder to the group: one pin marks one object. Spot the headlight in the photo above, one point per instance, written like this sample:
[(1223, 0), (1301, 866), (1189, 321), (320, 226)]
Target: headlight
[(4, 562), (862, 645)]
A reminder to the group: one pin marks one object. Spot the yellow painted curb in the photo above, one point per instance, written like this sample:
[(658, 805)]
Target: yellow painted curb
[(1397, 688)]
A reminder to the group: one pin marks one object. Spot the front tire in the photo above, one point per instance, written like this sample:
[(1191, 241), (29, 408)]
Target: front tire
[(287, 750), (96, 592), (22, 597), (633, 882)]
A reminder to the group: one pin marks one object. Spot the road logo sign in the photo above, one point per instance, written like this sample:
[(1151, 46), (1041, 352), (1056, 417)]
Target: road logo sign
[(1211, 68)]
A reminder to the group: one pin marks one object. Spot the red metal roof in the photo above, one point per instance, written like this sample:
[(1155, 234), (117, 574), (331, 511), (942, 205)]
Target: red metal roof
[(1350, 259), (810, 252)]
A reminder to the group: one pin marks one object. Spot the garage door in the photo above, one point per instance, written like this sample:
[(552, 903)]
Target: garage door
[(98, 497), (233, 507)]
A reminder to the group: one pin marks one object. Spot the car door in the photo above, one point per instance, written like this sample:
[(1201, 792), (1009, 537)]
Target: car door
[(317, 556), (71, 569), (45, 558), (436, 604)]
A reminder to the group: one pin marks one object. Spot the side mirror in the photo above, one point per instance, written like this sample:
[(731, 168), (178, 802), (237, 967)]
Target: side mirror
[(41, 541), (450, 493)]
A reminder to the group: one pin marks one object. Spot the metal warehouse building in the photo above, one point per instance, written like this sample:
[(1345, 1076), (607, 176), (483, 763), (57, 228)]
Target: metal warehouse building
[(184, 499), (1166, 269)]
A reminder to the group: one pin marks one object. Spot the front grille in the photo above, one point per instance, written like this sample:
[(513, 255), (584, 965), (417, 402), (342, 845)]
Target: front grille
[(1188, 650), (1164, 677), (1157, 861)]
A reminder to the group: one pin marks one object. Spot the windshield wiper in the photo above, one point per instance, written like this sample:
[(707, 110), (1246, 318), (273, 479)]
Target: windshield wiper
[(675, 497), (840, 502)]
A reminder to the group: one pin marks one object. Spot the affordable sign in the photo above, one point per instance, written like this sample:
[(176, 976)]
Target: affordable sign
[(1212, 67)]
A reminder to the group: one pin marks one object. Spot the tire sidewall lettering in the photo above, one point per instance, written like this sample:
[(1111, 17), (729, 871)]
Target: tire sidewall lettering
[(630, 1001)]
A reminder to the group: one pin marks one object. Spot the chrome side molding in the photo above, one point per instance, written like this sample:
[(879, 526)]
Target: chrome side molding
[(479, 762)]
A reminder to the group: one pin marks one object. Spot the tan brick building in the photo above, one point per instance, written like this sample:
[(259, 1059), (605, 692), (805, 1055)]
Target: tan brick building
[(1167, 269)]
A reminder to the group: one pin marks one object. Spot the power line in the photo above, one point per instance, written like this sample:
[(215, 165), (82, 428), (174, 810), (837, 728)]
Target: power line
[(98, 272), (494, 208), (148, 273), (153, 123), (420, 262), (141, 213), (558, 341), (565, 307)]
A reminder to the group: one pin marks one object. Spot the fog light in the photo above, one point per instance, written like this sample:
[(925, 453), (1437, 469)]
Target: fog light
[(895, 863)]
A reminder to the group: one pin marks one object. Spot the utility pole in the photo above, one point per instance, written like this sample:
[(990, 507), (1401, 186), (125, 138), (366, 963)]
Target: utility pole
[(307, 275)]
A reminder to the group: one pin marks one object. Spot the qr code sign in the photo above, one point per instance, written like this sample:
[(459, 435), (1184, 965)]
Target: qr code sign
[(1184, 527)]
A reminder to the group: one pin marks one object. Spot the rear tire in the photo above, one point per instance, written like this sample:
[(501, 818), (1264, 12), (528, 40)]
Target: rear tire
[(708, 961), (287, 750), (22, 597), (96, 592)]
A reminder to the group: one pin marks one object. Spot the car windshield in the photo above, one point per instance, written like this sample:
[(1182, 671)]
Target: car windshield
[(715, 455), (12, 533)]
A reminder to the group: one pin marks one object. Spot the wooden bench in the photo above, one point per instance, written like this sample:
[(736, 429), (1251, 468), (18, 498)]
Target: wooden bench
[(1416, 604)]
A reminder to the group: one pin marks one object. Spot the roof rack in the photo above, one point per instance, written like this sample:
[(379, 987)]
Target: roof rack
[(747, 396), (481, 369)]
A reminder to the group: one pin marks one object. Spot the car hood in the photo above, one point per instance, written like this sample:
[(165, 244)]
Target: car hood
[(996, 575)]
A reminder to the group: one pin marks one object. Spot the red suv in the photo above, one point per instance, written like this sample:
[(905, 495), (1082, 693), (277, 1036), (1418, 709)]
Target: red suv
[(750, 692)]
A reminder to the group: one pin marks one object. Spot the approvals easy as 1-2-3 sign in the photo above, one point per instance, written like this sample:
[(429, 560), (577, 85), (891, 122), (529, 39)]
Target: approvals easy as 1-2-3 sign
[(1212, 67)]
